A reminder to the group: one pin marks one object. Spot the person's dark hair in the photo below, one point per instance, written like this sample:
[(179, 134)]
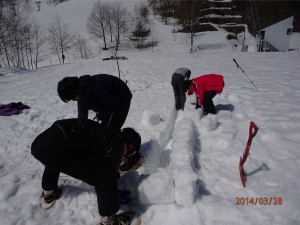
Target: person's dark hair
[(68, 88), (186, 85), (132, 139), (188, 74)]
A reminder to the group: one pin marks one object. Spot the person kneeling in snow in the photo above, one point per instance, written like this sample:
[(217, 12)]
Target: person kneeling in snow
[(205, 87), (178, 78), (87, 151), (105, 94)]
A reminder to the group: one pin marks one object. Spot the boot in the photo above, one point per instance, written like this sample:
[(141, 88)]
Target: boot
[(50, 196), (116, 219)]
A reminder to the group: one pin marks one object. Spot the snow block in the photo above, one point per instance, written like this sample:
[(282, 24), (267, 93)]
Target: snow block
[(183, 163), (185, 182), (152, 151), (157, 188), (150, 118), (183, 144)]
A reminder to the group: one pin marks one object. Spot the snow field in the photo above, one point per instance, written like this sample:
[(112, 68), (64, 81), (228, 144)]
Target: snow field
[(219, 143), (150, 118)]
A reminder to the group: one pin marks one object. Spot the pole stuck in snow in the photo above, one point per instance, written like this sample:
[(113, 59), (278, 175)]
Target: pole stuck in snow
[(238, 66), (252, 132)]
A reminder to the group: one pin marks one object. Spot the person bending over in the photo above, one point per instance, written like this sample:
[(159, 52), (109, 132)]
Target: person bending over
[(87, 151), (206, 87), (105, 94)]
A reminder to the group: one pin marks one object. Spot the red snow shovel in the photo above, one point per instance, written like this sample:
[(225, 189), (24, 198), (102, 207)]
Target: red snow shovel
[(252, 132)]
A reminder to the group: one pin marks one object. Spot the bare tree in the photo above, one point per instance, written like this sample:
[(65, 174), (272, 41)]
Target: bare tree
[(81, 47), (26, 44), (53, 42), (17, 45), (38, 40), (165, 8), (60, 38), (15, 38), (141, 13), (4, 39), (27, 6), (154, 5), (120, 21), (97, 24), (189, 9), (55, 2), (107, 7)]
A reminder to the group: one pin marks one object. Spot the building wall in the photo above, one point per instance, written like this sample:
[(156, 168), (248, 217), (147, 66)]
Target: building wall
[(276, 34)]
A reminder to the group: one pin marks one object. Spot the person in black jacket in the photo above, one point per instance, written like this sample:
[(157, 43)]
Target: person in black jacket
[(87, 151), (106, 95), (178, 78)]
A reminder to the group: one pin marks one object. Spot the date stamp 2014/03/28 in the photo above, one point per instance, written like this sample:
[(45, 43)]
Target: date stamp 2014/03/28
[(258, 201)]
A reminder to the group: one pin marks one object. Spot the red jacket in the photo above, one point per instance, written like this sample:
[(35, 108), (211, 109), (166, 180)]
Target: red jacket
[(208, 82)]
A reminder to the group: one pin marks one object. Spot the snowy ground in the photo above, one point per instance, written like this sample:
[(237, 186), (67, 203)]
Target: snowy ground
[(191, 174)]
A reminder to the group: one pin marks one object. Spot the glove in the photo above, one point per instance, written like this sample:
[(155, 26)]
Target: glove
[(198, 106), (131, 163)]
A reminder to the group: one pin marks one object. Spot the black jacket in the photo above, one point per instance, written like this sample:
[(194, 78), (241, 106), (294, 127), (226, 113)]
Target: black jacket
[(83, 145), (102, 93)]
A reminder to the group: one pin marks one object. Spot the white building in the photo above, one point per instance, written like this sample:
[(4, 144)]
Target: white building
[(275, 37)]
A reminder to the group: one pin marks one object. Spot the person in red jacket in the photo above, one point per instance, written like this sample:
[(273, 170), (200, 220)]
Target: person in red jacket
[(205, 87)]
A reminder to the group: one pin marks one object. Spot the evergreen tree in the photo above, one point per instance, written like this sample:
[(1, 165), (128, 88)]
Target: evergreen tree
[(140, 34)]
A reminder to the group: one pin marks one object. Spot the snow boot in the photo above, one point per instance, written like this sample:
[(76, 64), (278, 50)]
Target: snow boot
[(50, 196), (117, 219)]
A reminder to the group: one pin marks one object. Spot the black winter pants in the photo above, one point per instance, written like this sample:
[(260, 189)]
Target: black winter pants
[(114, 119), (46, 148), (179, 93), (208, 103)]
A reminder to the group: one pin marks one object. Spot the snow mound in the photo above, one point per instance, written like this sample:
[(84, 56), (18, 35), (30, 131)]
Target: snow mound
[(183, 162), (6, 71), (183, 144)]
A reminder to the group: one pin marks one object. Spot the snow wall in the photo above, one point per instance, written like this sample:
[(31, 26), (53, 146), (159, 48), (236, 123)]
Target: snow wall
[(176, 183), (183, 163), (152, 150)]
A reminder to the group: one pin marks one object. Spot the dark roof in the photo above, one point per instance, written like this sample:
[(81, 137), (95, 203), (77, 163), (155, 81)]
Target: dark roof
[(274, 22)]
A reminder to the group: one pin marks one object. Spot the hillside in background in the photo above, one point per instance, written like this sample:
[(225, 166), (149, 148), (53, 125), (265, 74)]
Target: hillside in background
[(233, 15), (267, 12), (270, 11)]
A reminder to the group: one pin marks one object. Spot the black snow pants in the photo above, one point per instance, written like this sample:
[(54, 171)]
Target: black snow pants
[(208, 103), (179, 93), (57, 154), (114, 119)]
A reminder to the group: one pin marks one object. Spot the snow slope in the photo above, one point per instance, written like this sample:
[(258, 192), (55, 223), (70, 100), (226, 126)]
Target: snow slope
[(191, 174)]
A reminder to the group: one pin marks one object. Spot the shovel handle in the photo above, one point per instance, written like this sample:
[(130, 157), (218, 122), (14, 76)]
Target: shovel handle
[(252, 132)]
